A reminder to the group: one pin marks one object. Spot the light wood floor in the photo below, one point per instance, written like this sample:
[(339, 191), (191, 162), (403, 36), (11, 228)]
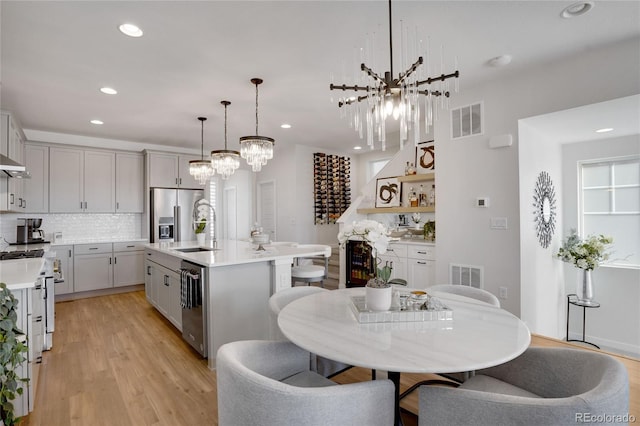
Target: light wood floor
[(117, 361)]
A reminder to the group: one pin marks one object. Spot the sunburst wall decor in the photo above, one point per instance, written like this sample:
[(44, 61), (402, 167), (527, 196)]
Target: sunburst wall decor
[(544, 202)]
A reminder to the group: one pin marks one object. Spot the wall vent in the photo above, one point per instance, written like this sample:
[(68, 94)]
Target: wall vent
[(467, 121), (469, 275)]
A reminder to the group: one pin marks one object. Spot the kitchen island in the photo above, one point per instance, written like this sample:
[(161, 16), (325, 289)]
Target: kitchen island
[(239, 281)]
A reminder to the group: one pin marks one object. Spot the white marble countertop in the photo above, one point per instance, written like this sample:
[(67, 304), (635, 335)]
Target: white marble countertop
[(412, 241), (234, 252), (479, 336), (20, 273), (69, 242)]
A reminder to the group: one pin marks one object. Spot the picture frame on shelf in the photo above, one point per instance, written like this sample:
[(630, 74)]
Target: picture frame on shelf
[(426, 157), (388, 192)]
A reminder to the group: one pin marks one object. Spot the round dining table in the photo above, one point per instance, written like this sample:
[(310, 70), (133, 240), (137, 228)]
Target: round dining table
[(477, 336)]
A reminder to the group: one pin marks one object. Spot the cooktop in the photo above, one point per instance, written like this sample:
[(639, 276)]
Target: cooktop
[(21, 254)]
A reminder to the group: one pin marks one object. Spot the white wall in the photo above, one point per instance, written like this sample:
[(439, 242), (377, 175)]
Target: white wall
[(467, 168)]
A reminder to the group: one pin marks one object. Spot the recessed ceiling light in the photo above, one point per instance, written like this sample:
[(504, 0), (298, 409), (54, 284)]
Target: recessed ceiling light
[(108, 91), (130, 30), (604, 130), (285, 126), (500, 61), (97, 122), (577, 9), (357, 147)]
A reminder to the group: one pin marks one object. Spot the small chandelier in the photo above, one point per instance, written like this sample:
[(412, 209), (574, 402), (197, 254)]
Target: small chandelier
[(256, 149), (225, 161), (398, 97), (201, 169)]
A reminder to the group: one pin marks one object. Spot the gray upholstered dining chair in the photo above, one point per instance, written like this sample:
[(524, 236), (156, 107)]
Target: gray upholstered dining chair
[(472, 292), (543, 386), (277, 302), (269, 383)]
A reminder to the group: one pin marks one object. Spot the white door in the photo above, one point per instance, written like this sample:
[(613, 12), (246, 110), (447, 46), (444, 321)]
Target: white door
[(230, 204), (267, 208)]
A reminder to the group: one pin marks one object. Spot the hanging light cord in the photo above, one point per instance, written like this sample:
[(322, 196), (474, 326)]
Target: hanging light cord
[(256, 109), (202, 140), (225, 127)]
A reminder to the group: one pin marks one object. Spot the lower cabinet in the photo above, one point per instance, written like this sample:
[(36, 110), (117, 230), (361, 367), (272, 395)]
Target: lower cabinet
[(412, 262), (162, 287), (107, 265), (64, 278)]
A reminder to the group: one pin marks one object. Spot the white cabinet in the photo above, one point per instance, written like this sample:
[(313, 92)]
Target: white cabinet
[(99, 181), (11, 145), (36, 189), (421, 266), (129, 183), (81, 181), (162, 286), (128, 264), (92, 267), (65, 255), (170, 171), (107, 265)]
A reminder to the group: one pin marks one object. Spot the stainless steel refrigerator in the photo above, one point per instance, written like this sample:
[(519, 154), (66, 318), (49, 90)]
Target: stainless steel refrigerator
[(171, 214)]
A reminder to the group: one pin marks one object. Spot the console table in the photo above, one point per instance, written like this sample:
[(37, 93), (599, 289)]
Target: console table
[(572, 299)]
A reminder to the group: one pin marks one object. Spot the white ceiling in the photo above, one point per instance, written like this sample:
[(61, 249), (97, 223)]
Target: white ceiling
[(56, 55)]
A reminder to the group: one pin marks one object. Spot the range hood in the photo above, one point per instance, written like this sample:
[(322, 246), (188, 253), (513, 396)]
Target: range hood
[(12, 168)]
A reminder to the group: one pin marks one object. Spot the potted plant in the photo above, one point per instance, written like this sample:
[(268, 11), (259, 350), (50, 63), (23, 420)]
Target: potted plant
[(199, 228), (378, 292), (586, 255), (12, 351)]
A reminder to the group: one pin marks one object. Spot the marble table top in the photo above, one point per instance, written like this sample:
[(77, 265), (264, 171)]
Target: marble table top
[(479, 335)]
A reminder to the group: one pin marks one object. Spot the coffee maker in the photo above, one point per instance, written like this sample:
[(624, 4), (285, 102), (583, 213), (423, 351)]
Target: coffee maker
[(29, 231)]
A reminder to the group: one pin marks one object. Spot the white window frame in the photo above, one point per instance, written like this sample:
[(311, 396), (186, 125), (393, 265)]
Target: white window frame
[(618, 258)]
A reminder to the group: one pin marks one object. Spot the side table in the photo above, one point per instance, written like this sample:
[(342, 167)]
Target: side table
[(572, 299)]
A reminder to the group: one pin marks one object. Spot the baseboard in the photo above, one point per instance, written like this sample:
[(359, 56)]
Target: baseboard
[(95, 293), (610, 345)]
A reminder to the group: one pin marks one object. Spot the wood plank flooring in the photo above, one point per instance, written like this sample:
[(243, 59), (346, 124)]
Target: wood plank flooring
[(117, 361)]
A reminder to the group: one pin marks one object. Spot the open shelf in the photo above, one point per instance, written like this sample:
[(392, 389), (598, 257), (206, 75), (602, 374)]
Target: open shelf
[(417, 178)]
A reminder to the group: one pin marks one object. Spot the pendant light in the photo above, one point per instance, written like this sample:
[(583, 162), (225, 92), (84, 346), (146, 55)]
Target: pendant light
[(201, 169), (256, 149), (225, 161)]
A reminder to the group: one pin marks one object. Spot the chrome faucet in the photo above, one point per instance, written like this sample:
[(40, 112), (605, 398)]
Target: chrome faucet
[(196, 208)]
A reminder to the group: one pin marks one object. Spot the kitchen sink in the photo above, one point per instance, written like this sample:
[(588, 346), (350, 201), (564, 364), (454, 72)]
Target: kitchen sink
[(195, 249)]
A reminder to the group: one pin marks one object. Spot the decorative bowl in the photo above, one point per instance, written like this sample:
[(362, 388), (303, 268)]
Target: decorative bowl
[(414, 231), (397, 233)]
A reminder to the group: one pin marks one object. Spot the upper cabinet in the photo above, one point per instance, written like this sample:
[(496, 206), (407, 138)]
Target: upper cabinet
[(36, 189), (81, 181), (11, 145), (167, 170), (129, 183)]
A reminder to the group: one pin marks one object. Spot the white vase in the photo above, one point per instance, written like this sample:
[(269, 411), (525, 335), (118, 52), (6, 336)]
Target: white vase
[(585, 286), (200, 238), (378, 298)]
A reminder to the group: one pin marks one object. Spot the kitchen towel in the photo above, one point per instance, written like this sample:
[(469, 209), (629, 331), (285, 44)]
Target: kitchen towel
[(190, 294)]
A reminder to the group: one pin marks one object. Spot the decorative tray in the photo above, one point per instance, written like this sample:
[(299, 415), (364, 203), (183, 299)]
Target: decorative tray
[(364, 315)]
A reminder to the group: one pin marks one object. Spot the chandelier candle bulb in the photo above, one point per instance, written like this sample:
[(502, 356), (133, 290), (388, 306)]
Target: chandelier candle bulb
[(225, 161), (201, 170)]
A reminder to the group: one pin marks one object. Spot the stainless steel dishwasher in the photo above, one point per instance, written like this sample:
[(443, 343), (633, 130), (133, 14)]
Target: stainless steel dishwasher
[(194, 294)]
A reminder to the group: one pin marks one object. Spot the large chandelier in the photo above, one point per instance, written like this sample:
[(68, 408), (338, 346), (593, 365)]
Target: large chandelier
[(225, 161), (399, 97), (256, 149), (201, 169)]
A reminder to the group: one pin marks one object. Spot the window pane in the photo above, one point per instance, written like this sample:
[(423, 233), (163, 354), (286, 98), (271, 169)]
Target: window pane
[(596, 200), (627, 173), (476, 121), (627, 200), (595, 175), (466, 121), (625, 230)]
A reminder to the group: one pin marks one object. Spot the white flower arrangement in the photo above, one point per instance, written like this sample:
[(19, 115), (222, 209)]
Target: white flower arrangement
[(373, 233), (585, 254)]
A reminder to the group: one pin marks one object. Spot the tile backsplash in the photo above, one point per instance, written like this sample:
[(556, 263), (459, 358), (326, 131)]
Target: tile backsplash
[(78, 227)]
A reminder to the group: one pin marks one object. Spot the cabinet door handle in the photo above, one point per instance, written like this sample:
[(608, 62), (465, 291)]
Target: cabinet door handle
[(85, 205), (69, 253), (80, 205), (93, 248), (25, 203), (421, 263), (130, 246), (117, 205), (115, 260), (180, 181), (109, 261), (39, 318), (422, 252), (176, 181), (166, 280), (39, 360), (12, 199), (148, 270)]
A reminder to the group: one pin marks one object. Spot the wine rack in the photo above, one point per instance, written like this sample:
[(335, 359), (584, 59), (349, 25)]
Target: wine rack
[(331, 187)]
